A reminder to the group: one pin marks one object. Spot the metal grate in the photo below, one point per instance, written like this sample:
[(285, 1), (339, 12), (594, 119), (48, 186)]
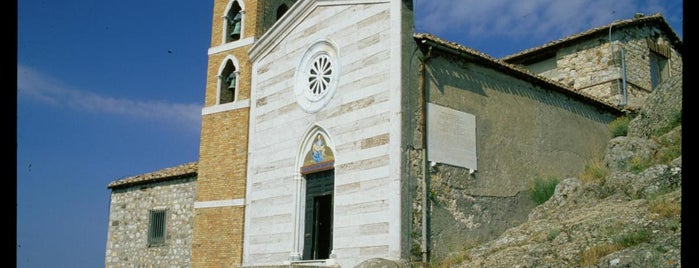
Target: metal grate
[(156, 227)]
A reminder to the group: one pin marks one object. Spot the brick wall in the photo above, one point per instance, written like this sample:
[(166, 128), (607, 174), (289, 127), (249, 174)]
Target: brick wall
[(218, 230), (219, 239)]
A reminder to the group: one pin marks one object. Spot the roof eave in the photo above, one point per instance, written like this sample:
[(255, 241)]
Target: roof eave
[(656, 19), (473, 55)]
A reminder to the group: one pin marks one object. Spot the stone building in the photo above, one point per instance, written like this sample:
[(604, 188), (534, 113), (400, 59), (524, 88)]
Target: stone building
[(333, 134), (141, 203), (619, 63)]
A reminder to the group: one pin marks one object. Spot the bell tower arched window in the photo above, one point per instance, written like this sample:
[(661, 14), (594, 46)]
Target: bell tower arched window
[(228, 83), (281, 10), (234, 22)]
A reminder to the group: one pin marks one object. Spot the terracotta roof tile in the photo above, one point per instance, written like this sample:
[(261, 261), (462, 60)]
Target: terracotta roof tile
[(184, 170)]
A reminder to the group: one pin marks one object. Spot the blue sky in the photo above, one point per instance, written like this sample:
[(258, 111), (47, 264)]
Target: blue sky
[(110, 89)]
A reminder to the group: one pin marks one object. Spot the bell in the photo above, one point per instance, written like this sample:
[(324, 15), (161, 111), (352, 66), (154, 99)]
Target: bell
[(231, 81), (236, 27)]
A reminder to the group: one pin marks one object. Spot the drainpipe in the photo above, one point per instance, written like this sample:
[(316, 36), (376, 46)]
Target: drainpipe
[(623, 72), (623, 68), (425, 167)]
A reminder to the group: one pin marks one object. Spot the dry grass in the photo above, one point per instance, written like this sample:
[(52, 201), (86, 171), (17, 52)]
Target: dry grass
[(593, 254), (594, 172), (453, 260), (666, 208)]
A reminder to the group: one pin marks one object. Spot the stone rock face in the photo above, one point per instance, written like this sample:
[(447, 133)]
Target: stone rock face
[(660, 109), (379, 263), (631, 217)]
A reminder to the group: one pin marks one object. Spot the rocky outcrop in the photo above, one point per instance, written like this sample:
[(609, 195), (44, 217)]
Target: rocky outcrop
[(625, 213), (661, 110)]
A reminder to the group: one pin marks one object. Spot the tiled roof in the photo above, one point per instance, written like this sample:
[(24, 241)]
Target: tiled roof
[(184, 170), (656, 19), (514, 70)]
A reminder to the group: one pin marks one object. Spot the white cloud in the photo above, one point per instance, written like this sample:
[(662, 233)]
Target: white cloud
[(37, 87), (547, 19)]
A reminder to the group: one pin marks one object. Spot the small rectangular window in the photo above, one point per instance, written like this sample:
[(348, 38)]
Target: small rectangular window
[(157, 227)]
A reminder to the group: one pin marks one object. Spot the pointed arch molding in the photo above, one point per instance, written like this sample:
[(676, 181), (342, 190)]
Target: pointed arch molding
[(241, 4), (233, 59), (220, 75), (316, 152)]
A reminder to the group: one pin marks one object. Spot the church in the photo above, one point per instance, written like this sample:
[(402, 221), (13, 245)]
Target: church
[(333, 134)]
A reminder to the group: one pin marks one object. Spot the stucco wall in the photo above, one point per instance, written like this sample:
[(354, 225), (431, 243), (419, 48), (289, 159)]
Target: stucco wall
[(523, 132), (128, 224)]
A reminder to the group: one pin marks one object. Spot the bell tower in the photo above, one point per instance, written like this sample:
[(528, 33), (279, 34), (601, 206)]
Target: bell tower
[(217, 235)]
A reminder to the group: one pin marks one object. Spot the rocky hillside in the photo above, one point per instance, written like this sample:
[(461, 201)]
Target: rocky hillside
[(623, 211)]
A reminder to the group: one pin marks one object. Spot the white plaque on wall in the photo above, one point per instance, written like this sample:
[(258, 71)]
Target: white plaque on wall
[(451, 137)]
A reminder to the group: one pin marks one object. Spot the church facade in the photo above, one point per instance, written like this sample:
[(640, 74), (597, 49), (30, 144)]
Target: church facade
[(332, 134)]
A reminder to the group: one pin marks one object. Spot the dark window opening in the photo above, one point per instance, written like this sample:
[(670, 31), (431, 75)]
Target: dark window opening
[(659, 69), (281, 10), (229, 78), (156, 228), (318, 229), (234, 20)]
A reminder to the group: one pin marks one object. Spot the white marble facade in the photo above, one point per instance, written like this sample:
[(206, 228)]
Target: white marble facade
[(332, 68)]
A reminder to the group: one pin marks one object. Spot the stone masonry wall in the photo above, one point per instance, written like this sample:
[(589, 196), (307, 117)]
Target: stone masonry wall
[(127, 239), (595, 66)]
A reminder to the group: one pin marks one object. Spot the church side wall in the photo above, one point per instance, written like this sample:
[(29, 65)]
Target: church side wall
[(127, 239), (523, 132)]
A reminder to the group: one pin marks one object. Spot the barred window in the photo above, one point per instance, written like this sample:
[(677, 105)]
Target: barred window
[(156, 227)]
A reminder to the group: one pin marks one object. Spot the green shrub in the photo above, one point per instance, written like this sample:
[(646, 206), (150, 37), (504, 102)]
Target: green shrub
[(630, 239), (639, 164), (543, 189), (553, 233), (620, 126)]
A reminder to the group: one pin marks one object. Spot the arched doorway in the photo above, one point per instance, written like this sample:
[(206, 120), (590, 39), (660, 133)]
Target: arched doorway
[(318, 173), (318, 229)]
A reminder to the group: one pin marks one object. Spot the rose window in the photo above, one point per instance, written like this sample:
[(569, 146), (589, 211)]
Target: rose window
[(320, 76), (317, 76)]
